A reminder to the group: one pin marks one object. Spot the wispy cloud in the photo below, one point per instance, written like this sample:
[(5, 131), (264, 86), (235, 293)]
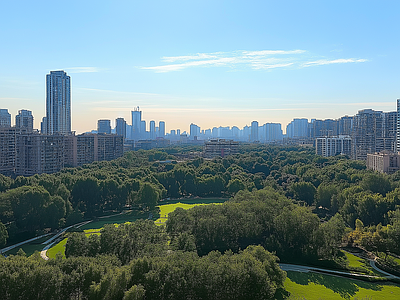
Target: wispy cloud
[(334, 61), (256, 60), (83, 70)]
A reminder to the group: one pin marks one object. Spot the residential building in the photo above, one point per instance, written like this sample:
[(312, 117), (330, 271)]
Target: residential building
[(152, 130), (220, 148), (24, 119), (331, 146), (161, 129), (136, 123), (120, 127), (8, 137), (58, 103), (373, 131), (104, 126), (298, 128), (254, 131), (384, 162), (194, 131), (5, 118)]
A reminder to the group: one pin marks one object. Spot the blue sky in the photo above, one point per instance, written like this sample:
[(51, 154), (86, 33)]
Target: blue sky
[(214, 63)]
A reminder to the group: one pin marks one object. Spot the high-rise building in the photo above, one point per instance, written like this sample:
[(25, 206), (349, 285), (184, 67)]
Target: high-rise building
[(136, 123), (152, 130), (161, 129), (398, 127), (254, 131), (143, 132), (345, 125), (331, 146), (58, 103), (373, 131), (5, 118), (322, 128), (104, 126), (194, 131), (24, 119), (120, 127), (298, 128)]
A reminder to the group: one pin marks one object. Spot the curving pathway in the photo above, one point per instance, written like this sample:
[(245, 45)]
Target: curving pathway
[(51, 241), (306, 269)]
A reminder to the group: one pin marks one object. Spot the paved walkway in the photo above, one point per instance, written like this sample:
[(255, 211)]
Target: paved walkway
[(4, 250), (306, 269), (51, 241)]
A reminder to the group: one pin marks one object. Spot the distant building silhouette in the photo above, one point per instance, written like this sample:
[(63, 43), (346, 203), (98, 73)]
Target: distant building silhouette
[(136, 123), (120, 127)]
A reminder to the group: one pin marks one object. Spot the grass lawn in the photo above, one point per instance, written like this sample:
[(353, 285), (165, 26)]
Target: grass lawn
[(356, 263), (316, 286), (60, 247), (165, 209)]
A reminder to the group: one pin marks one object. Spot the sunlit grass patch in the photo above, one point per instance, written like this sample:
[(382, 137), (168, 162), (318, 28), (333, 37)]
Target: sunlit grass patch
[(60, 247), (313, 286), (168, 208)]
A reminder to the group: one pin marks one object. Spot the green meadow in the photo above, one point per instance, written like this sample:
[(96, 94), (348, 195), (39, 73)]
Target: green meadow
[(315, 286), (164, 210)]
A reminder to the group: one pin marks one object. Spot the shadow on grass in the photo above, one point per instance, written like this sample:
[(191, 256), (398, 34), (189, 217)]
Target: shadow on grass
[(194, 201), (118, 219), (345, 287)]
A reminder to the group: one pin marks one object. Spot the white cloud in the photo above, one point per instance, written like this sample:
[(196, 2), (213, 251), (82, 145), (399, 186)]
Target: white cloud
[(256, 60), (334, 61)]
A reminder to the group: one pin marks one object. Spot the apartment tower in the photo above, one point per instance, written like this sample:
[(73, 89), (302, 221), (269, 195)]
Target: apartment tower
[(58, 104)]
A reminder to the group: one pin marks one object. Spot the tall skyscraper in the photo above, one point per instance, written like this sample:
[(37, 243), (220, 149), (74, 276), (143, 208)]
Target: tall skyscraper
[(161, 126), (104, 126), (24, 119), (58, 103), (398, 127), (136, 123), (120, 127), (194, 131), (5, 118), (152, 130), (254, 131)]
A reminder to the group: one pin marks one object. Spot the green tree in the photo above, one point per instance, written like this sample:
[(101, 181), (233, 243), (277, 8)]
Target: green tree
[(3, 235), (136, 292), (376, 183), (234, 186), (304, 191), (148, 195)]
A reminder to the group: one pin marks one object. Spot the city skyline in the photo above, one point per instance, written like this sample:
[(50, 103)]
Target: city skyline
[(209, 63)]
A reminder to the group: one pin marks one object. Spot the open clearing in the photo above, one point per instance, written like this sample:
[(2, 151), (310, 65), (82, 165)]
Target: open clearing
[(314, 286), (165, 209)]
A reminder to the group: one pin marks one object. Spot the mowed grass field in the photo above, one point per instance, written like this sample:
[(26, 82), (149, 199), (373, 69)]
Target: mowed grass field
[(165, 209), (314, 286)]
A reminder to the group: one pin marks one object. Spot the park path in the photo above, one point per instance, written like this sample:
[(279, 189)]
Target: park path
[(306, 269), (372, 263), (4, 250), (51, 241)]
